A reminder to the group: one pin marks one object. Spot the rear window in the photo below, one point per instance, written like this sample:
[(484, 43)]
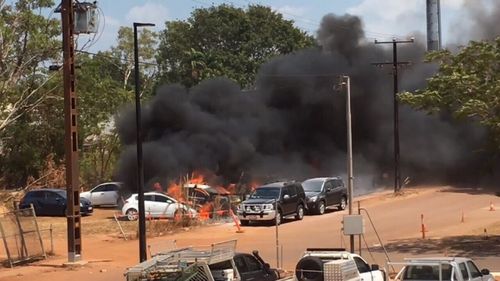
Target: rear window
[(427, 272)]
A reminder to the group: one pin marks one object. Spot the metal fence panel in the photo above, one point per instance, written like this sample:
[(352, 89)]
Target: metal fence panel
[(21, 236)]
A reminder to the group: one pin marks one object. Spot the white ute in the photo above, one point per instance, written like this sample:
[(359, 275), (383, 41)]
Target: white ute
[(315, 265), (441, 269)]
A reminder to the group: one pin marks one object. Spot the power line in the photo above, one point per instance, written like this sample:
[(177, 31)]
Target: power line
[(114, 58)]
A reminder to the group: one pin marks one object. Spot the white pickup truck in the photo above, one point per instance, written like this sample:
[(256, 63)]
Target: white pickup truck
[(311, 266), (441, 269)]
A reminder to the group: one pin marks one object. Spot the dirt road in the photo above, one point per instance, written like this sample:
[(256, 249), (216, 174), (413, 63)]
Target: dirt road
[(396, 218)]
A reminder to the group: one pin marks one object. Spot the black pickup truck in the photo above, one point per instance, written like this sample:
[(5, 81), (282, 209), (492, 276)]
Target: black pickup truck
[(272, 202)]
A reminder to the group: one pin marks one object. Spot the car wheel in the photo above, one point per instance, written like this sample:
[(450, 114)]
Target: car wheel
[(279, 218), (131, 214), (244, 222), (321, 208), (343, 203), (299, 215)]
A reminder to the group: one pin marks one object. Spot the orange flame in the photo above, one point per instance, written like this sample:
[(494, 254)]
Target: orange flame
[(175, 191), (205, 210), (197, 178)]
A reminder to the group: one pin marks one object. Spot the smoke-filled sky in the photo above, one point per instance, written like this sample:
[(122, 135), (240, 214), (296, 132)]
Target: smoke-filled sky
[(293, 124)]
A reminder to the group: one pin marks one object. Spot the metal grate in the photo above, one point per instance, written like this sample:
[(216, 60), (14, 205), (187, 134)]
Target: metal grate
[(21, 237)]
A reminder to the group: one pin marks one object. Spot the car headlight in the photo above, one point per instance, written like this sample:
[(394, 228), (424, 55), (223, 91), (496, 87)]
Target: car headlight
[(267, 206), (314, 198)]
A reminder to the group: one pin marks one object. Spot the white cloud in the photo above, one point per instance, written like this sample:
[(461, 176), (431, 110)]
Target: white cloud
[(291, 11), (391, 18), (110, 21), (150, 13)]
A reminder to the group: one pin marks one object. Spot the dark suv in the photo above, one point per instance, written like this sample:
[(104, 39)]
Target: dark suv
[(52, 202), (324, 192), (288, 197)]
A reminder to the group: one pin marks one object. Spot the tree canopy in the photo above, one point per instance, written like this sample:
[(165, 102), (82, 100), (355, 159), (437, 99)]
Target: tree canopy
[(467, 85), (225, 41)]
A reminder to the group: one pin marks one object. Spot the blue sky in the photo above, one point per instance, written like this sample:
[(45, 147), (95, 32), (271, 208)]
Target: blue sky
[(382, 18)]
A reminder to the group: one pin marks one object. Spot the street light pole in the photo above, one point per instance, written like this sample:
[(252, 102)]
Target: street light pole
[(346, 80), (140, 170), (350, 178)]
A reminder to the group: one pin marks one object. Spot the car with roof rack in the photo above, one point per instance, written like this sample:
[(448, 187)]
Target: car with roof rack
[(272, 202), (441, 269)]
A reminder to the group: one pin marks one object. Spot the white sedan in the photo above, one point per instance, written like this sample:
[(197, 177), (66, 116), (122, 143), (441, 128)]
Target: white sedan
[(157, 205), (104, 194)]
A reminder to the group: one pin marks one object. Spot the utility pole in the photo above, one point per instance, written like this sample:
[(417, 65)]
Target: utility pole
[(346, 80), (71, 134), (395, 64), (140, 169)]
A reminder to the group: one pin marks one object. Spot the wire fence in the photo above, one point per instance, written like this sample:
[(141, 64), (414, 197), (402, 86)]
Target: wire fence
[(21, 237)]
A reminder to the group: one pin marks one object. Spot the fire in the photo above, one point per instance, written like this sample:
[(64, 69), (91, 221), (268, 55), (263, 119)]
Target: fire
[(197, 178), (253, 185), (205, 210), (175, 191)]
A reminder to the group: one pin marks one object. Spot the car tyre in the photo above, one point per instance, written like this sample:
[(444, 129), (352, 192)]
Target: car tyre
[(244, 222), (320, 209), (299, 215), (342, 203), (132, 214)]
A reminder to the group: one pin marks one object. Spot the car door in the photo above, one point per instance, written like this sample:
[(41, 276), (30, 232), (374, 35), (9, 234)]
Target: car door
[(149, 203), (161, 207), (364, 269), (55, 203), (37, 198), (463, 271), (110, 194), (97, 195), (338, 190), (474, 273), (252, 269), (289, 204), (329, 193)]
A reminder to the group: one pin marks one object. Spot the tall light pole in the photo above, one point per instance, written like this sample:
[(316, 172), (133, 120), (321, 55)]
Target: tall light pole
[(346, 80), (140, 170)]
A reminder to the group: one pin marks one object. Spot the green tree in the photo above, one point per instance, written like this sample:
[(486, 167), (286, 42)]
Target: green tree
[(124, 50), (467, 85), (27, 40), (225, 41)]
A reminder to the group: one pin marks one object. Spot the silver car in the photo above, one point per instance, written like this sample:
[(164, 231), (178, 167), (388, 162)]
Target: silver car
[(104, 194)]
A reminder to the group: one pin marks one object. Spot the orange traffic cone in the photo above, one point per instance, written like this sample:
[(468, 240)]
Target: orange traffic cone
[(492, 207)]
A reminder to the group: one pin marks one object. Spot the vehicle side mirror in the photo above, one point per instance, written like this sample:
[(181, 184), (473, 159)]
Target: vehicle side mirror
[(266, 267), (485, 271), (286, 197), (247, 196), (375, 267)]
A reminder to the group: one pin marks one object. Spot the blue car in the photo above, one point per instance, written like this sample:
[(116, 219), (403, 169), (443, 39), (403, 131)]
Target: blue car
[(52, 202)]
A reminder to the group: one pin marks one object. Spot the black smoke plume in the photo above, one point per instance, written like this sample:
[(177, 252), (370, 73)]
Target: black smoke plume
[(292, 125)]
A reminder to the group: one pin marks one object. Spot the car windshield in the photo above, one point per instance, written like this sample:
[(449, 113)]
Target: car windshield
[(265, 192), (312, 185)]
